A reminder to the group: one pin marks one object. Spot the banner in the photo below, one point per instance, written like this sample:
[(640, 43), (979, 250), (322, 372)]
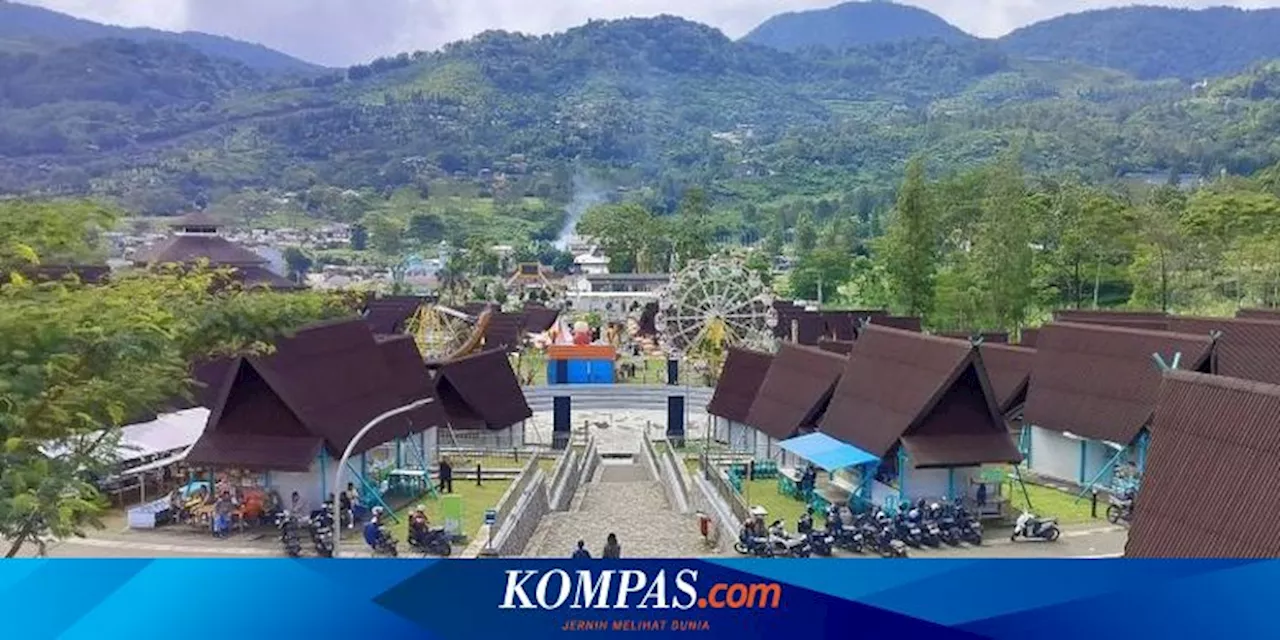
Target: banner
[(739, 599)]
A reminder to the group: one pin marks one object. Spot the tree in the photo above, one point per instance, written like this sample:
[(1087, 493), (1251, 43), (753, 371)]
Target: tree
[(761, 265), (386, 234), (806, 234), (692, 232), (630, 235), (909, 251), (53, 231), (359, 237), (1002, 252), (298, 262), (83, 360), (426, 227), (820, 273)]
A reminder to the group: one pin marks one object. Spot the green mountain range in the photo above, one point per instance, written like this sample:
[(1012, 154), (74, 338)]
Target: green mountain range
[(651, 103)]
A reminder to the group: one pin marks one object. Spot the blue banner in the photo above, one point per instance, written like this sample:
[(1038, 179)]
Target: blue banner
[(740, 599)]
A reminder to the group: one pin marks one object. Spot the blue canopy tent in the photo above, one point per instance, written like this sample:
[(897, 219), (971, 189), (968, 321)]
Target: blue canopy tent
[(827, 452)]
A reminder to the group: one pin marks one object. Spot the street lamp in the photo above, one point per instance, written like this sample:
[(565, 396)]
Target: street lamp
[(337, 474)]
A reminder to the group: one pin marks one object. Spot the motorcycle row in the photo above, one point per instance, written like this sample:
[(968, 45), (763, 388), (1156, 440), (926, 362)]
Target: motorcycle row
[(433, 541), (920, 526)]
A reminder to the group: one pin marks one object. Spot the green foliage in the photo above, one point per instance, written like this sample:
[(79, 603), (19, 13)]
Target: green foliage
[(82, 360), (910, 245)]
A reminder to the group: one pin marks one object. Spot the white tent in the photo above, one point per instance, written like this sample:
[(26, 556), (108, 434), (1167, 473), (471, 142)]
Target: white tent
[(171, 433)]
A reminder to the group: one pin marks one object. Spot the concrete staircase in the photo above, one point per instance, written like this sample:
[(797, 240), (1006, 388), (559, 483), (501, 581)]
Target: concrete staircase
[(624, 499)]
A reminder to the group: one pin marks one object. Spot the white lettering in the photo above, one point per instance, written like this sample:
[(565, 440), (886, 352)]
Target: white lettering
[(515, 589), (588, 590), (657, 591), (686, 587), (564, 589), (632, 582)]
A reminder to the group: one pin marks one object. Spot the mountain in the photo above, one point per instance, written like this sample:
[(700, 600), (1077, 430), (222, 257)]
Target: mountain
[(853, 24), (1155, 42), (651, 103), (24, 27)]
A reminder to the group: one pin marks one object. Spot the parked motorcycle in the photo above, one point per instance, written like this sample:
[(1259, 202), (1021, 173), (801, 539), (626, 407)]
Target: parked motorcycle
[(888, 546), (948, 527), (289, 534), (749, 544), (1121, 509), (970, 527), (1030, 527), (434, 542), (907, 531), (784, 543), (322, 534)]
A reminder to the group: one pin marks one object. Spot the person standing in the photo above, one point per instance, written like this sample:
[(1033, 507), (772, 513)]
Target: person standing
[(446, 476), (581, 553), (612, 550)]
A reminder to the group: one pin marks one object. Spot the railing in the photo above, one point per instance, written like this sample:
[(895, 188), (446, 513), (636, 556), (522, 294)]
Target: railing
[(513, 492), (609, 396), (720, 480)]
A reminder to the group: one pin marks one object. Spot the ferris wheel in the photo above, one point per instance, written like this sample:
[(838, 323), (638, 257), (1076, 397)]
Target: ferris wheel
[(714, 304), (443, 334)]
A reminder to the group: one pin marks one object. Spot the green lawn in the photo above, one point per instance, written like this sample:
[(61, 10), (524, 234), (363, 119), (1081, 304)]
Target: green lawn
[(474, 502), (1050, 502), (780, 507), (493, 461)]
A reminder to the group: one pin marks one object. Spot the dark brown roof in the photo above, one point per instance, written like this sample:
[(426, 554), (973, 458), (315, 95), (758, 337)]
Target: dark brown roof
[(840, 347), (481, 391), (648, 319), (740, 380), (1246, 348), (999, 337), (325, 382), (906, 323), (410, 380), (1008, 369), (843, 325), (1151, 320), (505, 331), (85, 273), (189, 249), (391, 314), (1260, 314), (1028, 337), (795, 390), (1101, 382), (538, 319), (253, 452), (928, 392), (199, 219), (1212, 482)]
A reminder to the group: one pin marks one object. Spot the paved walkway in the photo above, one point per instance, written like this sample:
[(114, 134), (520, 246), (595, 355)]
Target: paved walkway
[(623, 499)]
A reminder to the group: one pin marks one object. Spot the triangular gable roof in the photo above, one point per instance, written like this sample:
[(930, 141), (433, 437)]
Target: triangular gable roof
[(190, 249), (1100, 382), (330, 379), (905, 323), (1213, 471), (409, 381), (391, 314), (1149, 320), (740, 381), (1246, 348), (538, 319), (505, 331), (795, 390), (930, 393), (1009, 371), (481, 391)]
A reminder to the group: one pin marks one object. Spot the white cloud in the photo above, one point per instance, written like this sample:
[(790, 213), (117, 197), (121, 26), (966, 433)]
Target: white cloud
[(346, 31)]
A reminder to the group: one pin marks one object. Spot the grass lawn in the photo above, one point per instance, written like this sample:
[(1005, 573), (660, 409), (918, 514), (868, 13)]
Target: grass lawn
[(474, 502), (1050, 502), (461, 462), (780, 507)]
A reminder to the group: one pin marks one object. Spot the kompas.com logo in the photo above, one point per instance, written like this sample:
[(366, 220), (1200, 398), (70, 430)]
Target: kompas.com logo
[(631, 589)]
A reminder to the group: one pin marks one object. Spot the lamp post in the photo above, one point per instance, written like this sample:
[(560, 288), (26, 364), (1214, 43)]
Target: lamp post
[(342, 463)]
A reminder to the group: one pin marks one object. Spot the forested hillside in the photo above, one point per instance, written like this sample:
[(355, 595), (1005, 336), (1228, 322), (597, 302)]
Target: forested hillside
[(853, 24)]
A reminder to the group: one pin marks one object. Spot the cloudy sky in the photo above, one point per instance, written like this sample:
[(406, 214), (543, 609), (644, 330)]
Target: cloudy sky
[(341, 32)]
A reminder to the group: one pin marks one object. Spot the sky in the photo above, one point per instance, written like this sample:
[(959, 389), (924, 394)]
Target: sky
[(344, 32)]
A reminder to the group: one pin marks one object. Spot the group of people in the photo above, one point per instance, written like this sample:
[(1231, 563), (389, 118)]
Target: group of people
[(612, 550)]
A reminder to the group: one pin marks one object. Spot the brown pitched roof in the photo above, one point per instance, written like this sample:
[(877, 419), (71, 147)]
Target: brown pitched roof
[(999, 337), (839, 347), (1150, 320), (325, 382), (843, 325), (189, 249), (481, 391), (505, 331), (1028, 337), (538, 319), (743, 373), (1246, 348), (253, 452), (1212, 482), (1009, 369), (795, 390), (1259, 314), (928, 392), (410, 379), (906, 323), (648, 319), (1099, 381), (391, 314)]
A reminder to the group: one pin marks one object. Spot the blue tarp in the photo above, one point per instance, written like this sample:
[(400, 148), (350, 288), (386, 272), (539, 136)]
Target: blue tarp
[(827, 452)]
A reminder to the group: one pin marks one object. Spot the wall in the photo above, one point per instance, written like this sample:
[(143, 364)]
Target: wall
[(523, 515), (1097, 455), (511, 496), (1054, 455)]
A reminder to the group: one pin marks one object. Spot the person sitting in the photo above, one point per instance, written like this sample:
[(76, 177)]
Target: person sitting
[(581, 553), (222, 510), (373, 533), (419, 528)]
